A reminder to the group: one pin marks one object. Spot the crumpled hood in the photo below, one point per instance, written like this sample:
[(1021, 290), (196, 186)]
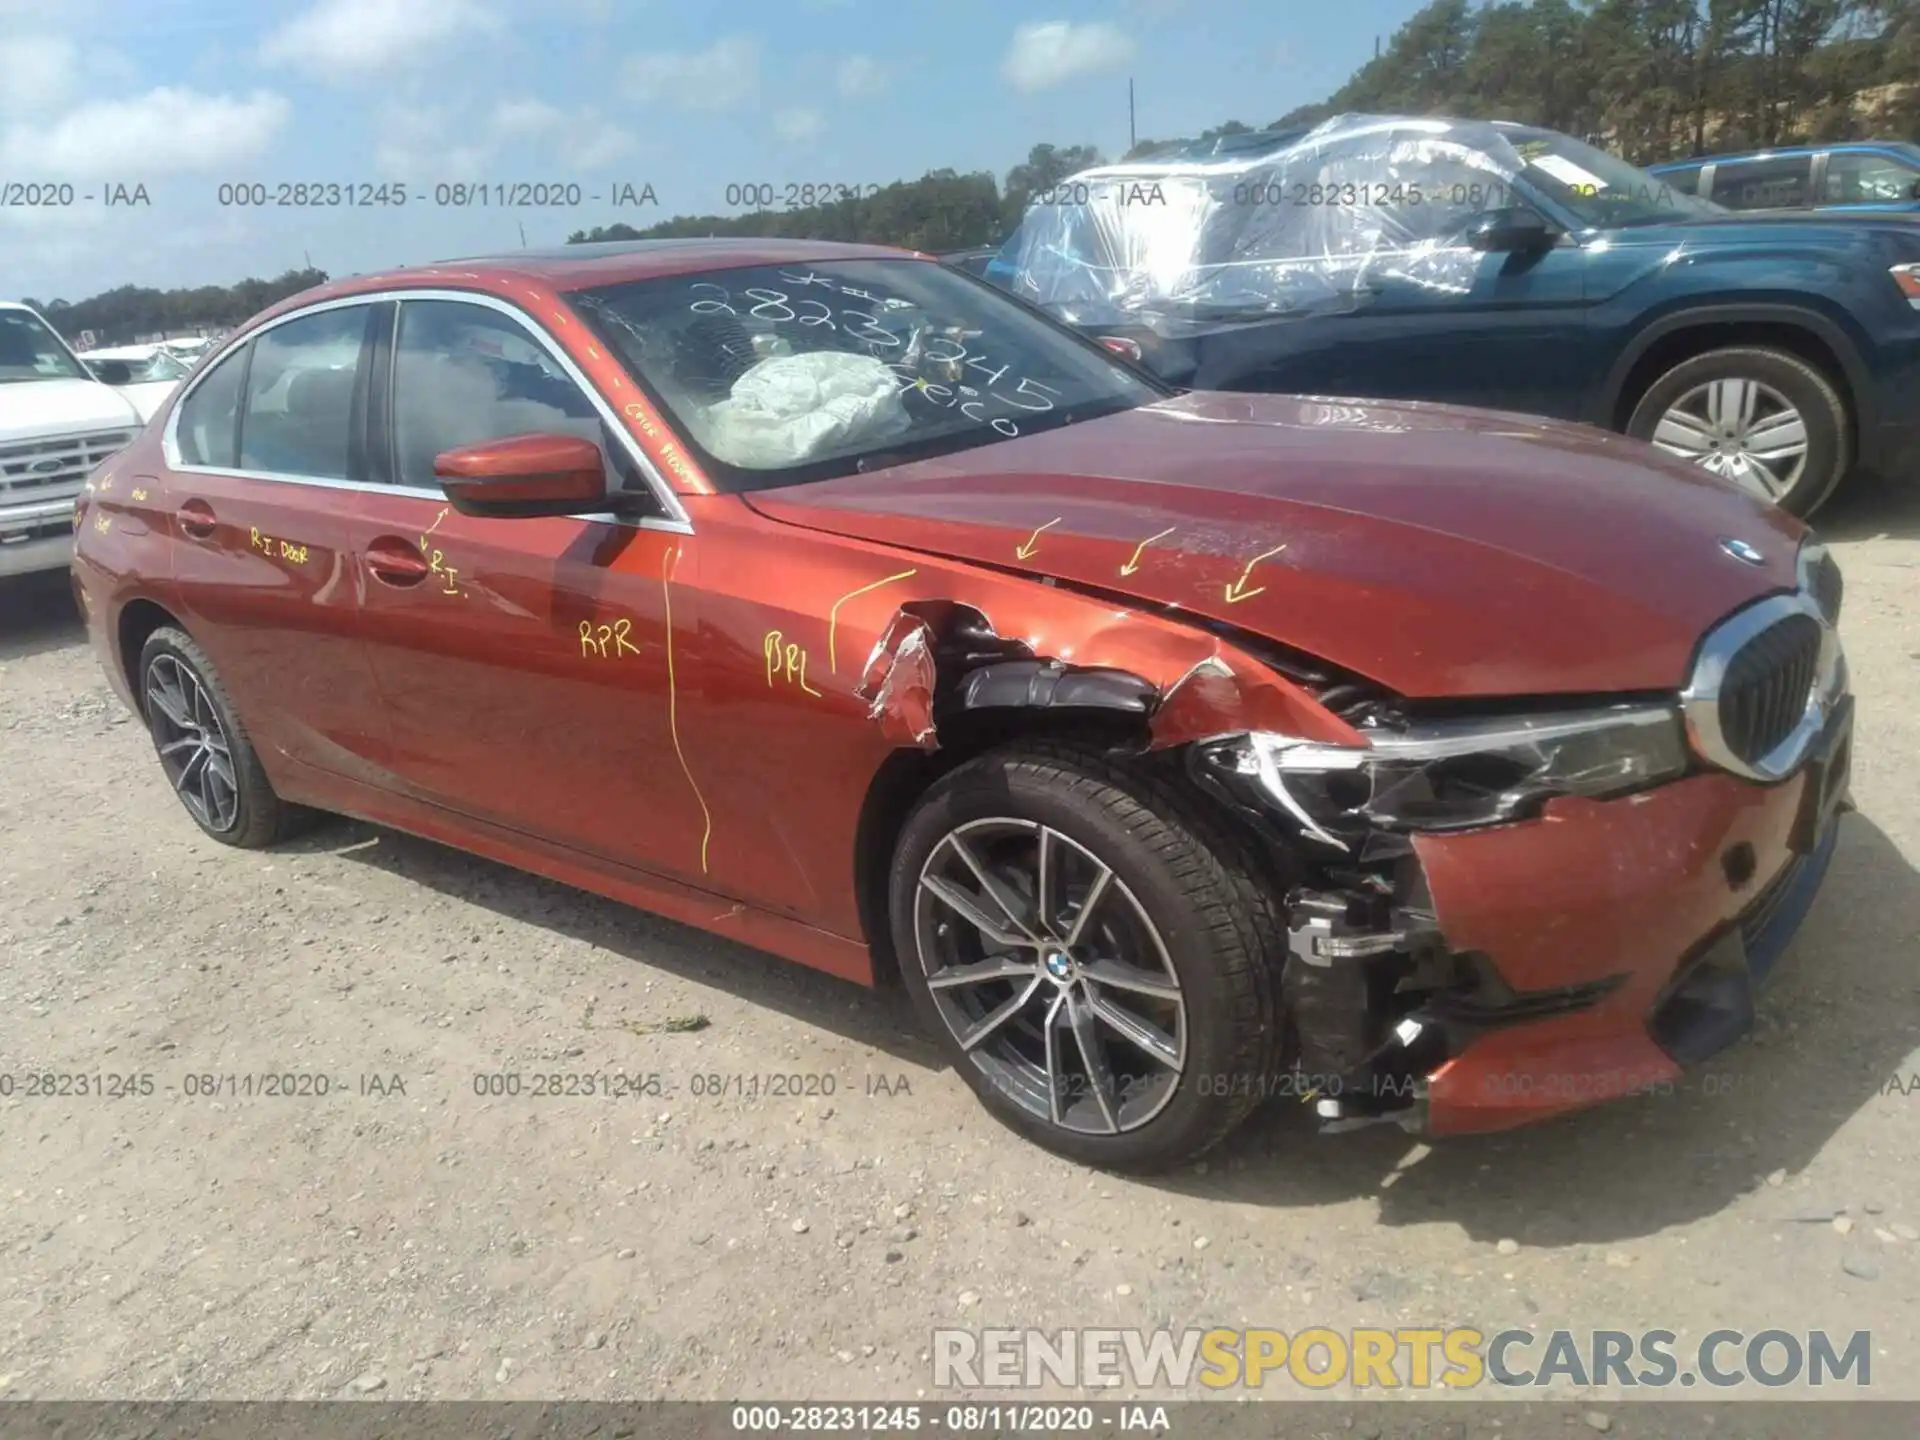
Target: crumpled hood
[(1438, 550), (49, 409)]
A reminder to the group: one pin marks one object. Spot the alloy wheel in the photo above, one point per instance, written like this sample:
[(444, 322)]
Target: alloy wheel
[(1744, 430), (1050, 975), (194, 750)]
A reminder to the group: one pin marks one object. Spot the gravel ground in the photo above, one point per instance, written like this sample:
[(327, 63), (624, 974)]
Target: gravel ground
[(403, 1237)]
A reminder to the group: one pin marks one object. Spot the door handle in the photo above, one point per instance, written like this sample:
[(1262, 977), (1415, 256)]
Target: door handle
[(396, 562), (197, 520)]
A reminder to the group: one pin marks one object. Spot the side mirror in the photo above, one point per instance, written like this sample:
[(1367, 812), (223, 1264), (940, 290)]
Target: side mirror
[(1516, 229), (112, 372), (1126, 349), (523, 476)]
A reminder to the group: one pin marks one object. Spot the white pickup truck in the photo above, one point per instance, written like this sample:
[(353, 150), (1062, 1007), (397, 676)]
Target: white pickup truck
[(57, 422)]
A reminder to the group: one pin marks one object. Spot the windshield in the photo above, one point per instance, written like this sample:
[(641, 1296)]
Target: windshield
[(1603, 190), (31, 351), (784, 374), (145, 369)]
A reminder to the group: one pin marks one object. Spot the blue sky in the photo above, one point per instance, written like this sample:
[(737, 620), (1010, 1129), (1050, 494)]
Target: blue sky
[(181, 96)]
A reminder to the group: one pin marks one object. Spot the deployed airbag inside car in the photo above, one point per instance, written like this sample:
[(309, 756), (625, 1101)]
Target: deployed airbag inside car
[(789, 409)]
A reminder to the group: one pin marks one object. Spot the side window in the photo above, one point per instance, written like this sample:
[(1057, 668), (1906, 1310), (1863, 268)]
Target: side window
[(1764, 184), (208, 428), (298, 418), (465, 373), (1681, 182), (1863, 179)]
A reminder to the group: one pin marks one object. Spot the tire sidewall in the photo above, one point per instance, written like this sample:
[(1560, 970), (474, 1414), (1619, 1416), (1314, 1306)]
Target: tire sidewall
[(247, 810), (1820, 405), (986, 789)]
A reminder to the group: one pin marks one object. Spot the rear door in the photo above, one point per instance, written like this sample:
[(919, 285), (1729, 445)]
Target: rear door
[(266, 455), (523, 663)]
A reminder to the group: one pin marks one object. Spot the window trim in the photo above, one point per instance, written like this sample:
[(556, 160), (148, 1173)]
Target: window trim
[(673, 517)]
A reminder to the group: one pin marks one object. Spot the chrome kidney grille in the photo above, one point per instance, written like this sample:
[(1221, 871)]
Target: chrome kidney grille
[(1767, 678), (1767, 685)]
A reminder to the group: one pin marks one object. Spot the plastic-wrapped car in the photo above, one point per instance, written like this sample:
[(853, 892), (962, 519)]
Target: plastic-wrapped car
[(1501, 266)]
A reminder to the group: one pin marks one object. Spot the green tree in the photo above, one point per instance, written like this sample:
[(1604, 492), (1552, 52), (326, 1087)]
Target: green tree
[(1045, 167)]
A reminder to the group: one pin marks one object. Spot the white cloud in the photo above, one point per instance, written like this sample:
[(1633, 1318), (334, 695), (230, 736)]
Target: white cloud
[(417, 143), (437, 143), (527, 117), (37, 73), (724, 76), (351, 39), (593, 142), (167, 129), (1043, 56), (798, 126), (860, 77)]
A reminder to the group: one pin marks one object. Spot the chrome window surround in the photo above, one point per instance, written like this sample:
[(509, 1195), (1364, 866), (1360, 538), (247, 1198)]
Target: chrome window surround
[(675, 517), (1700, 700)]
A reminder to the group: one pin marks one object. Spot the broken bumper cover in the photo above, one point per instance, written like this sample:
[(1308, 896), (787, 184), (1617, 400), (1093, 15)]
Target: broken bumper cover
[(1675, 905)]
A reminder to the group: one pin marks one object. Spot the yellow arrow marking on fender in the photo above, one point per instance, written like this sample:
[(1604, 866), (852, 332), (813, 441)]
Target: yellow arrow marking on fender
[(1025, 552), (1237, 591), (1134, 564)]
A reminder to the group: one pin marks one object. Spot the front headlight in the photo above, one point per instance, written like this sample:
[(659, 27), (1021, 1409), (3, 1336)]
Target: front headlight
[(1819, 576), (1457, 774)]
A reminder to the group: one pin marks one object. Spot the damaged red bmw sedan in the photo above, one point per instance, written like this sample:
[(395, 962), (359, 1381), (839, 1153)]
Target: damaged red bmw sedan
[(1176, 750)]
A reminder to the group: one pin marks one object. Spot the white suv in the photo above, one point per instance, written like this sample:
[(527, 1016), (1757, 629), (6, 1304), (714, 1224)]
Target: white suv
[(57, 423)]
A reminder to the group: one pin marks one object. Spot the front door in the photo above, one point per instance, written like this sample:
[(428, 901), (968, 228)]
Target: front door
[(523, 663)]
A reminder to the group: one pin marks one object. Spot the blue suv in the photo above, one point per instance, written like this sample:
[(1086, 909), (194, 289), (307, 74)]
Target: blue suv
[(1865, 175), (1501, 266)]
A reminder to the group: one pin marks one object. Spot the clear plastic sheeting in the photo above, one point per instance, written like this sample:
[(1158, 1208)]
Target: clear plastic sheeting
[(1189, 247)]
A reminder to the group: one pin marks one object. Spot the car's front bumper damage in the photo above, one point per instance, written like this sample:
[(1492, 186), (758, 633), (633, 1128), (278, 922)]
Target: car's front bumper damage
[(1475, 980)]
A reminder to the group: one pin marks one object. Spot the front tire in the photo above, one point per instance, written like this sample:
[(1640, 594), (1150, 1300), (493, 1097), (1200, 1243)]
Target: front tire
[(1095, 954), (1761, 417), (203, 748)]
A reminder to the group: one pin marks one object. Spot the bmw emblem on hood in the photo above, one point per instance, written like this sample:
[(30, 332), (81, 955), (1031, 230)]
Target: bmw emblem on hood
[(1741, 550)]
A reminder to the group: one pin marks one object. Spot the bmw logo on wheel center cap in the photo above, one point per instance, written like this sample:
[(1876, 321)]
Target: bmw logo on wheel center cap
[(1059, 965), (1741, 550)]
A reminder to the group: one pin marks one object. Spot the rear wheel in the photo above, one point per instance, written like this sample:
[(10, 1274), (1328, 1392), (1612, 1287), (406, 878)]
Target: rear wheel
[(1095, 957), (203, 748), (1762, 418)]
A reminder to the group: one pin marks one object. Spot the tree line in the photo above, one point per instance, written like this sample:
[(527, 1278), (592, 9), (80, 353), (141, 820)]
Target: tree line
[(122, 314), (1655, 79), (1649, 79)]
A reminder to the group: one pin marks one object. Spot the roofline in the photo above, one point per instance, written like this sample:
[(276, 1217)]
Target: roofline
[(1783, 152)]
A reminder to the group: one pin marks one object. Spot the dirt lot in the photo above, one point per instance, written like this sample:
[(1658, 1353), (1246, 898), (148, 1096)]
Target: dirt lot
[(403, 1236)]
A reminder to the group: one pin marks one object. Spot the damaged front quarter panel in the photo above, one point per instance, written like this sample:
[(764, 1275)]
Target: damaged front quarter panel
[(937, 660), (1376, 999)]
